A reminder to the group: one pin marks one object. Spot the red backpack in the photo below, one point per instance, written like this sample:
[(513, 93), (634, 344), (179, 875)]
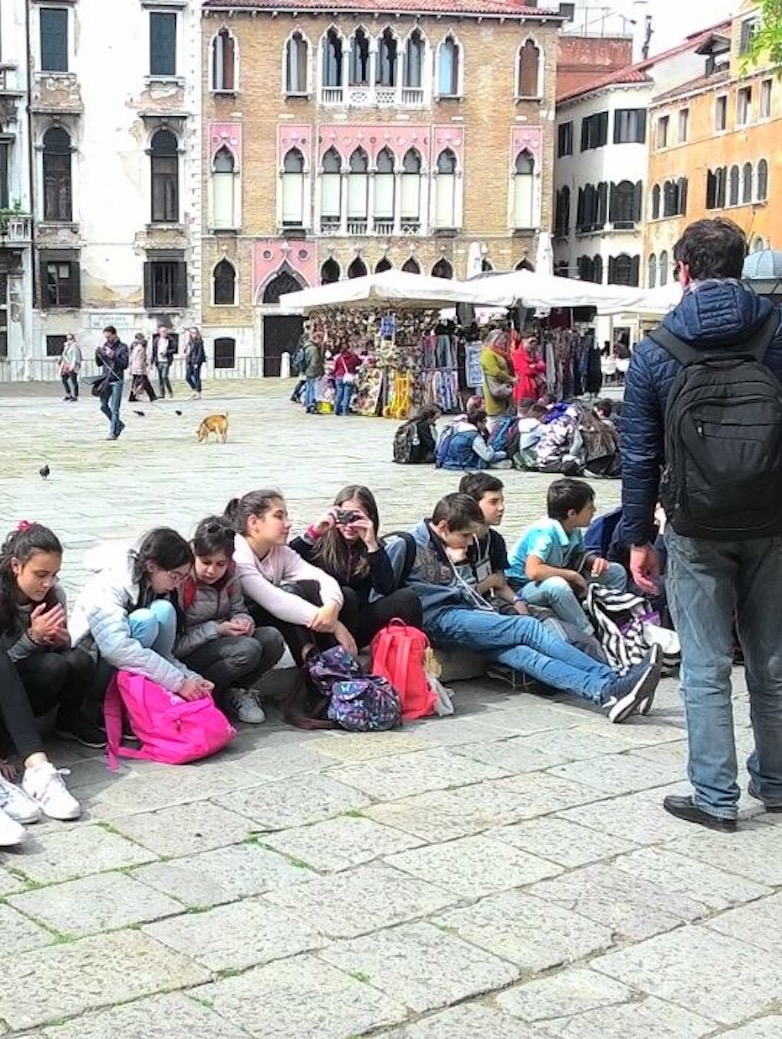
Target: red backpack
[(398, 654)]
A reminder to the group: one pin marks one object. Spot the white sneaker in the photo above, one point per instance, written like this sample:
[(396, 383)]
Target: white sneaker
[(11, 832), (244, 704), (44, 783), (16, 804)]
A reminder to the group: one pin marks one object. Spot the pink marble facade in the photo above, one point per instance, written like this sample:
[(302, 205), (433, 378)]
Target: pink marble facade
[(290, 136), (271, 255), (428, 141), (526, 138), (225, 135)]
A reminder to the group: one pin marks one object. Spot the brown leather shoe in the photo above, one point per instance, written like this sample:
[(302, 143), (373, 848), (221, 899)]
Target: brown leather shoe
[(684, 808)]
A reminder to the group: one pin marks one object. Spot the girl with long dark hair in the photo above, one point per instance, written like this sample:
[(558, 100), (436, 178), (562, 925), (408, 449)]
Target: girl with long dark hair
[(345, 543)]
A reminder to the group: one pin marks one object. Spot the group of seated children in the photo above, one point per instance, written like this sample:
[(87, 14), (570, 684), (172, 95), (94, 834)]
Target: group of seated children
[(210, 616)]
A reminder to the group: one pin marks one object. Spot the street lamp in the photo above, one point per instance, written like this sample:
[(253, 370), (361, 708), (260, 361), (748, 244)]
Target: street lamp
[(763, 273)]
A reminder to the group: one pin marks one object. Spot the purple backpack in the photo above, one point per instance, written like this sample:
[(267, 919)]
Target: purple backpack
[(356, 702)]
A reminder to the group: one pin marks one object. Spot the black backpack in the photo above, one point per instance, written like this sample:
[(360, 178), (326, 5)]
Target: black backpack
[(405, 443), (722, 479)]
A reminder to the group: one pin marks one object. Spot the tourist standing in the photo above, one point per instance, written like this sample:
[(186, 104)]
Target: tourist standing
[(195, 356), (498, 379), (139, 364), (112, 357), (345, 367), (163, 350), (70, 365), (314, 369), (724, 534)]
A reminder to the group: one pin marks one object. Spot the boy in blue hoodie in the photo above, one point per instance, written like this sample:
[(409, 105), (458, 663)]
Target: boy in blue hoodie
[(456, 614)]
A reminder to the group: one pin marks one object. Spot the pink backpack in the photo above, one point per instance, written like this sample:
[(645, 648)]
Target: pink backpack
[(398, 652), (171, 730)]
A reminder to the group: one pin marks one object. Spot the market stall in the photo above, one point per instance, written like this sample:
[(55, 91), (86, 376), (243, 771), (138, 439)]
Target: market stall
[(392, 319)]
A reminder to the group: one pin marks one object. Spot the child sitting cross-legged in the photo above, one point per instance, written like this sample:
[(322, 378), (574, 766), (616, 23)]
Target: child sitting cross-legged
[(455, 614), (550, 565), (220, 640)]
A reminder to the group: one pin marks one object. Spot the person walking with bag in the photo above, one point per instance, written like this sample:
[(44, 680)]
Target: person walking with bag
[(163, 350), (195, 358), (498, 380), (112, 358), (138, 369), (703, 405), (70, 365)]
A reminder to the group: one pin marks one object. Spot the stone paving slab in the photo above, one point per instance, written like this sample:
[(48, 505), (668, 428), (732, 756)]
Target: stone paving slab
[(340, 843), (474, 866), (363, 899), (185, 829), (301, 996), (173, 1015), (561, 841), (567, 994), (68, 853), (420, 965), (222, 875), (466, 1021), (234, 937), (758, 924), (66, 979), (416, 774), (293, 802), (528, 931), (20, 934), (637, 1020), (106, 902)]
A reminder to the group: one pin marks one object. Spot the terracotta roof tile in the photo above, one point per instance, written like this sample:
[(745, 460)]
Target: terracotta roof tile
[(511, 8), (722, 76), (638, 73)]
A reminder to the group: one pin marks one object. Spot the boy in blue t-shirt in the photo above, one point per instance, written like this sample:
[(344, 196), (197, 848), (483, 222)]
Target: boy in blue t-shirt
[(550, 565)]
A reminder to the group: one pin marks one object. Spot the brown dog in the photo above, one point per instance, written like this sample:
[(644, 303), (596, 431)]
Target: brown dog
[(217, 424)]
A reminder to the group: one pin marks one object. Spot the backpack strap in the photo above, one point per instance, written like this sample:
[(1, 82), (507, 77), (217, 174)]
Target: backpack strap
[(756, 346), (411, 548)]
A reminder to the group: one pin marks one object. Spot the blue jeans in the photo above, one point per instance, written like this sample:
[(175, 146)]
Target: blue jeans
[(709, 584), (110, 404), (154, 626), (193, 377), (310, 389), (342, 399), (523, 644), (558, 596)]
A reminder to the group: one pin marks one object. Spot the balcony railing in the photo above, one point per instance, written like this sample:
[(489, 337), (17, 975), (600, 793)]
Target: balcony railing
[(331, 95), (15, 228), (330, 225), (357, 227), (385, 227), (366, 95)]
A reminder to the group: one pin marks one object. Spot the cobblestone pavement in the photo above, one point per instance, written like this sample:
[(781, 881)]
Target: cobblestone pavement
[(508, 872)]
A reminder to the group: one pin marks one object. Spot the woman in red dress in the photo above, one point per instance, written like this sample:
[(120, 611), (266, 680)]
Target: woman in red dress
[(528, 369)]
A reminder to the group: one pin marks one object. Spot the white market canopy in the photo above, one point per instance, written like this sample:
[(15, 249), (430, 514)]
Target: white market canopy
[(389, 289), (545, 291)]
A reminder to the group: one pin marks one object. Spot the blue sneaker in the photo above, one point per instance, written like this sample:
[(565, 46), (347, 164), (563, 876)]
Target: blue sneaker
[(632, 692)]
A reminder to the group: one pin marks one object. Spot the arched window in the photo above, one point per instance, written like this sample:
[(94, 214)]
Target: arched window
[(597, 270), (223, 190), (623, 269), (414, 60), (758, 245), (359, 59), (733, 186), (762, 181), (524, 191), (525, 265), (283, 282), (562, 212), (486, 266), (332, 59), (357, 269), (224, 284), (331, 190), (386, 60), (164, 167), (663, 267), (442, 269), (383, 264), (329, 272), (296, 64), (528, 82), (656, 202), (224, 62), (681, 192), (410, 190), (651, 271), (746, 183), (384, 191), (57, 180), (293, 189), (358, 193), (623, 204), (445, 190), (448, 70), (411, 266)]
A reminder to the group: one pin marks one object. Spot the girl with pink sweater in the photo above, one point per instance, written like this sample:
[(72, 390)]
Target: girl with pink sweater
[(281, 588)]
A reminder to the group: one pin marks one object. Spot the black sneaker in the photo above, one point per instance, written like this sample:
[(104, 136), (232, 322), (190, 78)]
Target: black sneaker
[(626, 695), (79, 730)]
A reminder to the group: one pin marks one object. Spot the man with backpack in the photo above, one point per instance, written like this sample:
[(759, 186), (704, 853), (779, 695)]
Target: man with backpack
[(702, 424)]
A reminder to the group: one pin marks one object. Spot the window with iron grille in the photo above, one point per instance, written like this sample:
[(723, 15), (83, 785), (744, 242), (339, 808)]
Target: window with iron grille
[(165, 284), (60, 282), (225, 352), (54, 345)]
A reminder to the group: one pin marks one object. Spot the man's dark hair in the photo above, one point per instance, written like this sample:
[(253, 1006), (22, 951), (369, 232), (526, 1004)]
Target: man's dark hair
[(564, 495), (477, 484), (110, 329), (604, 406), (712, 249), (460, 512)]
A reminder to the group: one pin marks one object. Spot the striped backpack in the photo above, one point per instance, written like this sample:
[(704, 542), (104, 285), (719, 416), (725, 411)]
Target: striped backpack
[(627, 627)]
